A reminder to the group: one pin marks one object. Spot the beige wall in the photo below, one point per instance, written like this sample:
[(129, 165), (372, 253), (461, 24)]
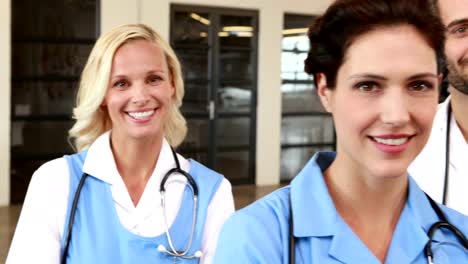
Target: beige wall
[(117, 12), (5, 43)]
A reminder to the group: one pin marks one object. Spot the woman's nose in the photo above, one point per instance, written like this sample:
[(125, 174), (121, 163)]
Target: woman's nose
[(139, 94), (395, 108)]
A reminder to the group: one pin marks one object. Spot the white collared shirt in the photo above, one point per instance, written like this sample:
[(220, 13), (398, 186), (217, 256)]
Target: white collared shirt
[(428, 169), (40, 227)]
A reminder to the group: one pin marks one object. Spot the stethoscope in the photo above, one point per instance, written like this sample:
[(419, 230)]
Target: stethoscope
[(442, 223), (162, 190), (447, 153)]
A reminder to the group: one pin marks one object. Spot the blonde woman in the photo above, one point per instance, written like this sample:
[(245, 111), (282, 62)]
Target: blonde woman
[(126, 196)]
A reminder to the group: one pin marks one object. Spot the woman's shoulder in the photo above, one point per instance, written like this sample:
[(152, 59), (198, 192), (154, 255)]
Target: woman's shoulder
[(52, 170), (205, 175), (260, 231), (197, 167), (271, 210), (52, 175)]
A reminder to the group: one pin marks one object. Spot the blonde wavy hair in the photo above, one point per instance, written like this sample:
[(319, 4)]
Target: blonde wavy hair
[(91, 119)]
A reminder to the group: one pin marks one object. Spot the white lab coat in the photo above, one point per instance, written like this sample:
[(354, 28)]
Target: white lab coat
[(428, 169)]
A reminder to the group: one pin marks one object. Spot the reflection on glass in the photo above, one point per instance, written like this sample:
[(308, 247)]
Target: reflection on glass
[(236, 31), (293, 62), (33, 138), (195, 98), (298, 87), (21, 171), (54, 19), (191, 28), (233, 165), (47, 98), (194, 63), (307, 129), (235, 65), (43, 59), (233, 131), (300, 98), (234, 98), (197, 136), (298, 43), (294, 159)]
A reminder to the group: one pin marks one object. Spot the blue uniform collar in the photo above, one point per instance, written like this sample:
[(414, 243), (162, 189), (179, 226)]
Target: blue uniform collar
[(314, 212), (315, 215)]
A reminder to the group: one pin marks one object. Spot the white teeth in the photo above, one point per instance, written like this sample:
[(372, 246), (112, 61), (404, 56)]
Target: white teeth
[(391, 141), (141, 115)]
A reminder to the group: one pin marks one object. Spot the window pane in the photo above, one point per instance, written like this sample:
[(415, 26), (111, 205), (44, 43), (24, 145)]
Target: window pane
[(233, 165), (197, 136), (191, 28), (54, 18), (195, 98), (234, 98), (298, 87), (30, 138), (44, 98), (236, 31), (21, 172), (235, 65), (194, 63), (294, 159), (298, 97), (307, 130), (233, 132)]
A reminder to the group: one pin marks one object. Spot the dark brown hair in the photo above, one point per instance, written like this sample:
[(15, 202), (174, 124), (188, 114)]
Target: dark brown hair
[(345, 20)]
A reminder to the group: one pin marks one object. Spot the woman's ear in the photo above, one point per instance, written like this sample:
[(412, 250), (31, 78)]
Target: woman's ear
[(324, 92), (440, 78)]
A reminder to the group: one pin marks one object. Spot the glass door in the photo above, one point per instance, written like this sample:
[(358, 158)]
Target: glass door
[(218, 51)]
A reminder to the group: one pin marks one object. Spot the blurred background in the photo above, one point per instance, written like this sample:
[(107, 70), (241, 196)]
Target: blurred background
[(252, 112)]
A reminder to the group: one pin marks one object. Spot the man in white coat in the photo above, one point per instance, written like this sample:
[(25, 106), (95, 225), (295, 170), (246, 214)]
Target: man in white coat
[(446, 181)]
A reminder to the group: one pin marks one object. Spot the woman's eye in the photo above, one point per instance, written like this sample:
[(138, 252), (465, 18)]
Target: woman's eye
[(155, 79), (421, 86), (120, 84), (460, 31), (367, 86)]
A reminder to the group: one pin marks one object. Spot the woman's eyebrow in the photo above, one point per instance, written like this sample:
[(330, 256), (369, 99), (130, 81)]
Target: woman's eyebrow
[(457, 22), (367, 76), (423, 75)]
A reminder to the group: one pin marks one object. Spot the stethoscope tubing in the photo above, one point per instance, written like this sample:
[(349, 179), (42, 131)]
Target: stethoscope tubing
[(447, 153)]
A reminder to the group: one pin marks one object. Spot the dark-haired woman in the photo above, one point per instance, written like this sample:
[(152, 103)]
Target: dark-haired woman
[(376, 70)]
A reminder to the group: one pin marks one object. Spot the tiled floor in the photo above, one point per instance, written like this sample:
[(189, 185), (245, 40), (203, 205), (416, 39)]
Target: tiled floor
[(243, 195)]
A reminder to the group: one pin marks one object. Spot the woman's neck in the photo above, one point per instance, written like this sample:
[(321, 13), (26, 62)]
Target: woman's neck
[(368, 204), (135, 160), (459, 103)]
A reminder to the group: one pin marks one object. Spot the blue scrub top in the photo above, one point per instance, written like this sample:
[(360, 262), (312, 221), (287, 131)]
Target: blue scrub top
[(259, 233), (99, 237)]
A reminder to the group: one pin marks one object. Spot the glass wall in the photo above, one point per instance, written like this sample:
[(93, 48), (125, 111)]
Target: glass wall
[(305, 126), (51, 41)]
